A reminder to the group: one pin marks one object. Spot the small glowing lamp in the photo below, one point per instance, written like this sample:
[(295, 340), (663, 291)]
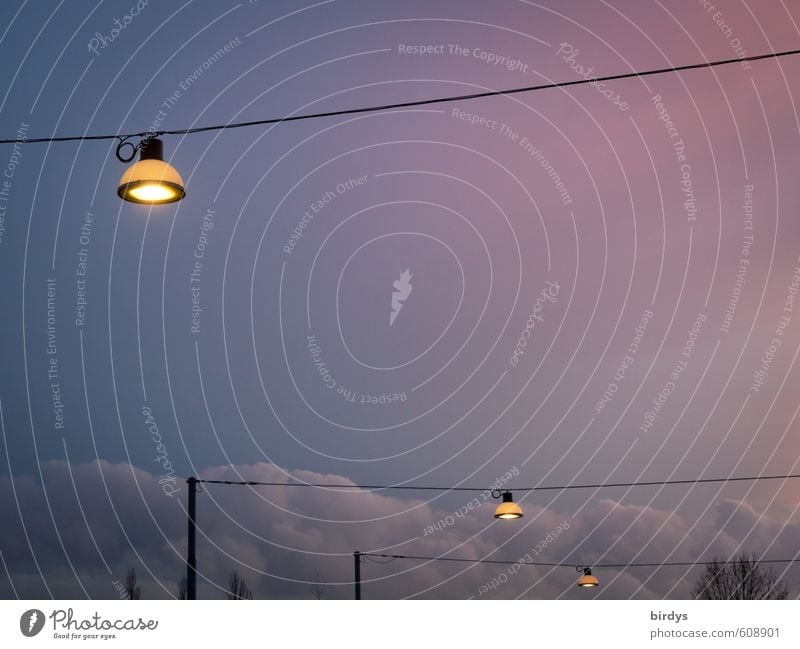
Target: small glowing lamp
[(587, 579), (508, 508), (151, 181)]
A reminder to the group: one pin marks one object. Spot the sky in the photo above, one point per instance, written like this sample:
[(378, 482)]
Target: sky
[(586, 284)]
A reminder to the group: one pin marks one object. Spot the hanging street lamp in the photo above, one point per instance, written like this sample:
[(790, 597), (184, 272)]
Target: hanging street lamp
[(587, 579), (150, 181), (507, 509)]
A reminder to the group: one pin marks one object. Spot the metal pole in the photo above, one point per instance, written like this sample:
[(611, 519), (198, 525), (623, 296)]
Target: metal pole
[(191, 556), (357, 564)]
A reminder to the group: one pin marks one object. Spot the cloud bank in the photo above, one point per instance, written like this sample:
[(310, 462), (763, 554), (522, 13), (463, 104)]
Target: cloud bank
[(74, 530)]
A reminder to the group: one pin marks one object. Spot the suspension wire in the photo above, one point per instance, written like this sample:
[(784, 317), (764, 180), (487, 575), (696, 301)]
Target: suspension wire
[(658, 564), (599, 485), (407, 104), (372, 559)]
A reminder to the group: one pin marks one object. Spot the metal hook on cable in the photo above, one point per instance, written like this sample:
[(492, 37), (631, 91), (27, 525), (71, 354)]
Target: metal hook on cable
[(123, 141), (143, 142)]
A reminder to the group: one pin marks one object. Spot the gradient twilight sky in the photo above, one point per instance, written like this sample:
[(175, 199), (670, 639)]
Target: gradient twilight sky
[(681, 238)]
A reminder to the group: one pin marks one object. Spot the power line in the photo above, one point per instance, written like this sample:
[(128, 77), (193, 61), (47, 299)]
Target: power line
[(599, 485), (659, 564), (408, 104)]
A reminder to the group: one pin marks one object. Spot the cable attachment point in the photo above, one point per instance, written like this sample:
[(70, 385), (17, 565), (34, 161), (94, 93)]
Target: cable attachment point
[(123, 141), (143, 144)]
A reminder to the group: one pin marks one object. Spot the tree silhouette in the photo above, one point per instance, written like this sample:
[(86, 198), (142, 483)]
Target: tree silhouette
[(741, 578), (237, 587), (132, 591), (317, 588)]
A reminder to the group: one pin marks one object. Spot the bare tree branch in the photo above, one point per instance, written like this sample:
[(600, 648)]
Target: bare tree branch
[(317, 588), (741, 578), (132, 591), (237, 587)]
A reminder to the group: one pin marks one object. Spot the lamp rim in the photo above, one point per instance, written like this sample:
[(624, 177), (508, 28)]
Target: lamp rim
[(123, 191), (508, 509)]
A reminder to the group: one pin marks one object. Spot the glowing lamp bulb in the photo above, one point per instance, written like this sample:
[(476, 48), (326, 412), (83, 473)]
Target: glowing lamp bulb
[(151, 181)]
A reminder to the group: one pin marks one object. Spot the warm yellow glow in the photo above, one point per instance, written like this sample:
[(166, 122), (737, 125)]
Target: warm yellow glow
[(152, 182), (508, 510), (154, 192), (587, 581)]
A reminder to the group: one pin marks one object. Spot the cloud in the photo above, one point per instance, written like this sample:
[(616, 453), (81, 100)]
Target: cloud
[(75, 531)]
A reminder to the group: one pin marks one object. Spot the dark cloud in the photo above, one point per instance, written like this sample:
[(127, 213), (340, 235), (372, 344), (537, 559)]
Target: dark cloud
[(109, 517)]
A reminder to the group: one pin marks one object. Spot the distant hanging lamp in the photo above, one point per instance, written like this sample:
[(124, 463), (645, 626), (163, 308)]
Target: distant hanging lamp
[(587, 579), (508, 508), (150, 181)]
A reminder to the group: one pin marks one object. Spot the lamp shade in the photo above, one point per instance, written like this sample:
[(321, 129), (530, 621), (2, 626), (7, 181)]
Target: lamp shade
[(508, 508), (587, 579), (151, 180)]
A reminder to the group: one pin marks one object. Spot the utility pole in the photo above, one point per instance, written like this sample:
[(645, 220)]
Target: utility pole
[(191, 555), (357, 565)]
